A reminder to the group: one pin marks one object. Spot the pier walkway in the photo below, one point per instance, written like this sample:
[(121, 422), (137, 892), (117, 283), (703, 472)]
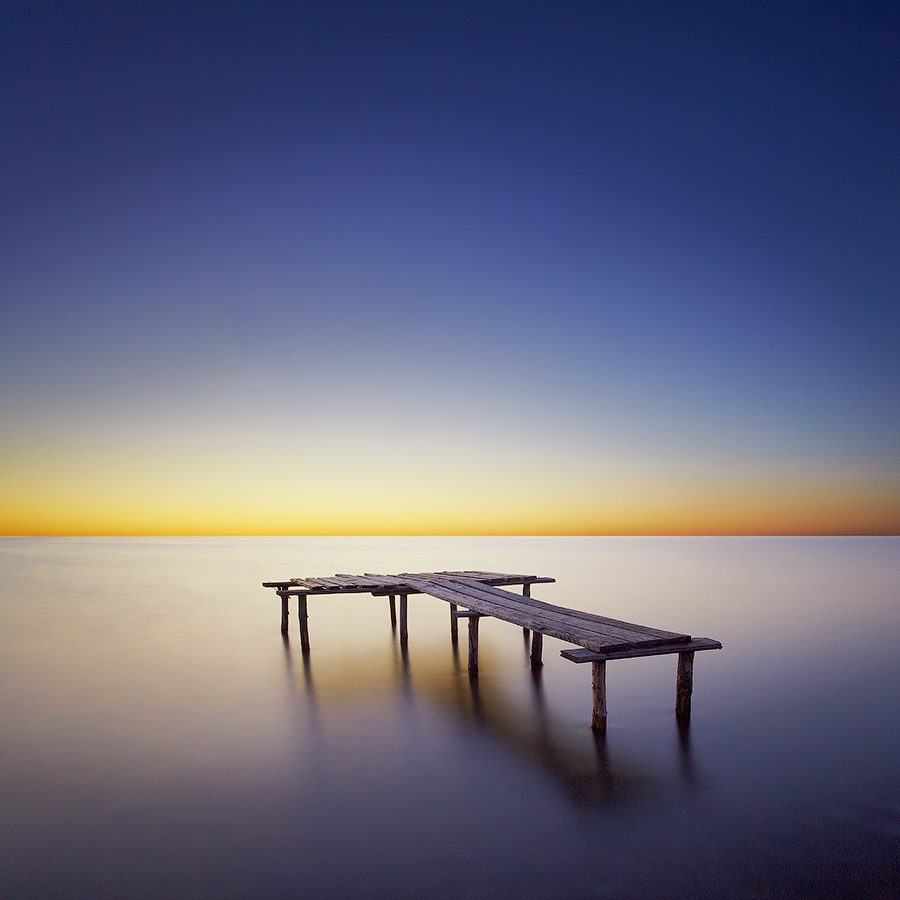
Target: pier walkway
[(480, 594)]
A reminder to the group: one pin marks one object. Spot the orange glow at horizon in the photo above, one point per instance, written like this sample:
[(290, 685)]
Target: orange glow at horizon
[(338, 491)]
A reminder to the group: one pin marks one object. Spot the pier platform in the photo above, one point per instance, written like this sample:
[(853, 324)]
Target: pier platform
[(473, 595)]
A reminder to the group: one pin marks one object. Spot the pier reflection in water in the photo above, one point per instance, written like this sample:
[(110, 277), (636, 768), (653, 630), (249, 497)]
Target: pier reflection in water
[(582, 762)]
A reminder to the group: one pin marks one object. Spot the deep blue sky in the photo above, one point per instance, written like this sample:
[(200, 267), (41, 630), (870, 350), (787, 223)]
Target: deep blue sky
[(663, 232)]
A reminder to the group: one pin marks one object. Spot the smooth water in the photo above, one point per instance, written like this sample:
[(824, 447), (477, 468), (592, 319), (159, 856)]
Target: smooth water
[(159, 739)]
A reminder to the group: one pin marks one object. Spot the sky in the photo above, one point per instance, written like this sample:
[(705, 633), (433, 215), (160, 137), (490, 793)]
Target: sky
[(449, 267)]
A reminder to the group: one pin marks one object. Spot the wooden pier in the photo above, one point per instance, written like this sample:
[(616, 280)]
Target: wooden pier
[(597, 638)]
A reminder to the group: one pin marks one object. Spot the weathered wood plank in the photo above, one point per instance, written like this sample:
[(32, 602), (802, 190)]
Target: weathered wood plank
[(590, 617), (545, 617), (613, 626), (553, 622), (584, 655), (362, 583)]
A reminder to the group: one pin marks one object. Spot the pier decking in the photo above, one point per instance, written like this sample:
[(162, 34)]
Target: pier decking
[(598, 638)]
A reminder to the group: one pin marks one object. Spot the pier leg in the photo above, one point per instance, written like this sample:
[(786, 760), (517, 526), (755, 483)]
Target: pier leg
[(285, 614), (526, 592), (537, 647), (473, 645), (454, 627), (303, 615), (598, 719), (684, 685), (404, 632), (393, 603)]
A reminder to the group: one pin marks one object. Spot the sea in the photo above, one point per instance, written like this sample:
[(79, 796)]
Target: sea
[(159, 738)]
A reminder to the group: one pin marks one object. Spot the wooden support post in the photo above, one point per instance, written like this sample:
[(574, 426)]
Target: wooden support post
[(393, 603), (537, 646), (404, 632), (526, 592), (285, 614), (598, 719), (304, 623), (684, 685), (473, 645), (454, 626)]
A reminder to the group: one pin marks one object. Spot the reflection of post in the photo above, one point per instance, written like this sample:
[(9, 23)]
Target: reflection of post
[(540, 706), (304, 623), (285, 614), (307, 671), (604, 770), (598, 719), (473, 645), (537, 646), (404, 633), (684, 684), (307, 676), (477, 700), (287, 657), (404, 662), (688, 774), (393, 604)]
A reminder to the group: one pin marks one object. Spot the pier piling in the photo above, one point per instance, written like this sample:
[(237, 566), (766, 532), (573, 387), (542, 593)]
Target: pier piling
[(598, 683), (684, 685)]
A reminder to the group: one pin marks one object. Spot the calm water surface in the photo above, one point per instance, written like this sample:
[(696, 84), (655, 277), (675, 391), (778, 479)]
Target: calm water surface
[(159, 739)]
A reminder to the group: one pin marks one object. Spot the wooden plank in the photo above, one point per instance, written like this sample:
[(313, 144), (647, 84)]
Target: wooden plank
[(592, 617), (386, 581), (361, 582), (324, 592), (547, 622), (326, 583), (561, 617), (355, 581), (583, 655)]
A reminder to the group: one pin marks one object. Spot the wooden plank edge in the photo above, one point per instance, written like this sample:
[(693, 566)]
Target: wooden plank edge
[(583, 655)]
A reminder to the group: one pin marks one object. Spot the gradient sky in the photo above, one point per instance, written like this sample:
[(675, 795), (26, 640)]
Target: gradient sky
[(462, 267)]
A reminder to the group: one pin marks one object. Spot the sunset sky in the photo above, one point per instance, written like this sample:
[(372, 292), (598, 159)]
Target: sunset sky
[(450, 267)]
